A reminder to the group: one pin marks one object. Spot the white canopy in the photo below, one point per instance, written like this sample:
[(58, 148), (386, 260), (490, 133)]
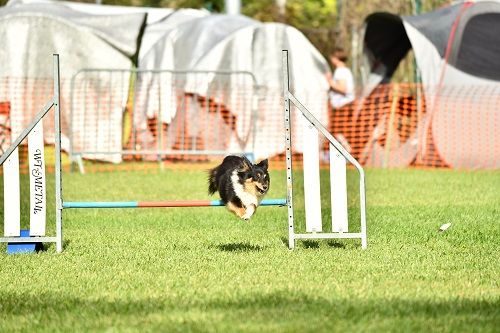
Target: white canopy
[(31, 33), (174, 40), (159, 20), (180, 48), (159, 30), (257, 49), (154, 14), (236, 43)]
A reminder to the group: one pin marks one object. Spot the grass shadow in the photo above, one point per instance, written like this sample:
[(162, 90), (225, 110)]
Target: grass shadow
[(315, 244), (239, 247), (336, 244), (324, 315), (311, 244), (52, 246)]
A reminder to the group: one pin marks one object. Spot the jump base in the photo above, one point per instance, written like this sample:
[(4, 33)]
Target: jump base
[(15, 248)]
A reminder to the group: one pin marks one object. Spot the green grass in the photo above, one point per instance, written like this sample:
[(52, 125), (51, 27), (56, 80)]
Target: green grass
[(203, 270)]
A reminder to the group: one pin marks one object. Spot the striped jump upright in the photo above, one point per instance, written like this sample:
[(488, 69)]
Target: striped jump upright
[(339, 157), (30, 240)]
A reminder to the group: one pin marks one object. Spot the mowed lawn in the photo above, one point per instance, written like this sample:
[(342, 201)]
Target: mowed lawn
[(203, 270)]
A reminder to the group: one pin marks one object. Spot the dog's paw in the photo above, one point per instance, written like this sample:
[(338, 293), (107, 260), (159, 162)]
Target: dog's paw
[(248, 213)]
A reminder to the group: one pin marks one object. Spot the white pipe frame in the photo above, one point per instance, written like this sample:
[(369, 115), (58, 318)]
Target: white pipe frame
[(289, 97)]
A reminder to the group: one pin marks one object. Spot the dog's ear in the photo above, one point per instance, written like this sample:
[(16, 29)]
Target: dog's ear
[(264, 164), (244, 175), (245, 164)]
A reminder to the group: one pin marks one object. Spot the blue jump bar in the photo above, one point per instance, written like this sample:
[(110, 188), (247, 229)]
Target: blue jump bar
[(90, 204), (165, 204)]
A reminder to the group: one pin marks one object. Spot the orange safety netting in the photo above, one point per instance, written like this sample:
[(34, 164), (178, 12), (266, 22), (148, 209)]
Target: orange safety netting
[(397, 125)]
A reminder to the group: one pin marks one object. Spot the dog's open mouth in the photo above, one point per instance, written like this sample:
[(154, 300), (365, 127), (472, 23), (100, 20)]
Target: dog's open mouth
[(261, 190)]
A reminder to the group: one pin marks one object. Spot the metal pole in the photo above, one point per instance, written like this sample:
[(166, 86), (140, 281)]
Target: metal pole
[(71, 138), (57, 129), (390, 125), (288, 150), (159, 123), (362, 198), (256, 97), (232, 7), (417, 9)]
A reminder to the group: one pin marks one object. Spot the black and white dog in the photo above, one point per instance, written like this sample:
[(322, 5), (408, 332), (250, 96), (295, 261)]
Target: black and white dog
[(241, 184)]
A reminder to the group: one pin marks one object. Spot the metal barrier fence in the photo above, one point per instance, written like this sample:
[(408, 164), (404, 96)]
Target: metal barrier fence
[(169, 117), (164, 114)]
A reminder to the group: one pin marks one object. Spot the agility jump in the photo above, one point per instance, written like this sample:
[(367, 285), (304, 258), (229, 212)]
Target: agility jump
[(21, 240)]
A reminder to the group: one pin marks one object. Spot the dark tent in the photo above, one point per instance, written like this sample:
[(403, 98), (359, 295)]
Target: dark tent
[(457, 50)]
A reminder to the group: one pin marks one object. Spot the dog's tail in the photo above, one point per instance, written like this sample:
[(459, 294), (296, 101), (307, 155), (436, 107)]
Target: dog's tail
[(212, 181)]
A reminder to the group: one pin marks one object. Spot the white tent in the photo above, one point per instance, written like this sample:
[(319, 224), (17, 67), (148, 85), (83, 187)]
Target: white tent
[(31, 33), (257, 49), (195, 41), (179, 49), (159, 20), (183, 45), (160, 23), (154, 14), (236, 43), (156, 33)]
